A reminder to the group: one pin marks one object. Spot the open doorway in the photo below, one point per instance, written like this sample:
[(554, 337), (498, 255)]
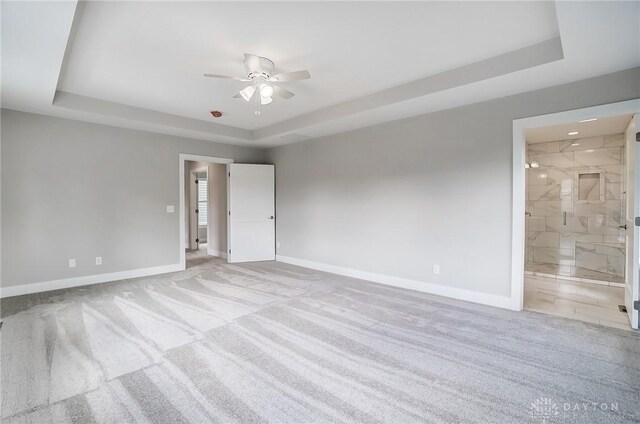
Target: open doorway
[(247, 234), (203, 209), (575, 220), (206, 203), (198, 207), (579, 244)]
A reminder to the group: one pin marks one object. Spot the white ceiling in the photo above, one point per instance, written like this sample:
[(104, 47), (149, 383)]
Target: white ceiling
[(153, 55), (602, 126), (34, 37), (139, 64)]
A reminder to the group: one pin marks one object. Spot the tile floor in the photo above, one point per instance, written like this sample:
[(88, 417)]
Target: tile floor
[(572, 272), (593, 303)]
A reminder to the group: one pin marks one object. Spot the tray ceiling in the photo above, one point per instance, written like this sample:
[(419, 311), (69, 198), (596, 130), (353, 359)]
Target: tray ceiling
[(140, 64)]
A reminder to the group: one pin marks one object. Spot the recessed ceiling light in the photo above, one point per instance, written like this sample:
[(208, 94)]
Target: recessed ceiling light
[(575, 144), (572, 133), (589, 120)]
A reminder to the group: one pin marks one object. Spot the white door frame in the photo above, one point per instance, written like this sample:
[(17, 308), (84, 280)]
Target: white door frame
[(632, 232), (182, 158), (518, 184)]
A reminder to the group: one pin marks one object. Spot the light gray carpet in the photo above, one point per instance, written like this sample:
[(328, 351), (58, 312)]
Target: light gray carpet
[(269, 342)]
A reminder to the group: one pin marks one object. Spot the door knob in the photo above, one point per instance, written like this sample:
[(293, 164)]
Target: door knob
[(623, 227), (271, 217)]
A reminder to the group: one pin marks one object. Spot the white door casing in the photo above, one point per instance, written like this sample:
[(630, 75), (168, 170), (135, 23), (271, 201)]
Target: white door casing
[(632, 233), (183, 158), (193, 205), (518, 175), (251, 213)]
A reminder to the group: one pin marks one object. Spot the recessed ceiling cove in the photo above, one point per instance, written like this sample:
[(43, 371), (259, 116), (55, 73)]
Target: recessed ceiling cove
[(141, 64), (152, 54)]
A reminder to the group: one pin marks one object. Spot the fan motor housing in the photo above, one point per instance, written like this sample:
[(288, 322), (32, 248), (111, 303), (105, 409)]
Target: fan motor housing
[(262, 69), (258, 75)]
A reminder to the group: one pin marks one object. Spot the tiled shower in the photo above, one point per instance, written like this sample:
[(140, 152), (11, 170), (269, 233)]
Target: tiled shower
[(575, 207)]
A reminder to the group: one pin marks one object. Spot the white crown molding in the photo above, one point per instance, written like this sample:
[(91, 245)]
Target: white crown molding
[(421, 286)]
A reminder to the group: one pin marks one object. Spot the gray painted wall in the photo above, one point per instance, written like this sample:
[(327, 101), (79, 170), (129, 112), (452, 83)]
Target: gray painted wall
[(217, 243), (73, 189), (399, 197)]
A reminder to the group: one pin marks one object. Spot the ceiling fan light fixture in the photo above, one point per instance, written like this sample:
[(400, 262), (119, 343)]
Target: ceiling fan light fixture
[(265, 100), (247, 92), (266, 90), (260, 75)]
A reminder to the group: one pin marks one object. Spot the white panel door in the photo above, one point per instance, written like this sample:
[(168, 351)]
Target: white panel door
[(632, 233), (251, 224)]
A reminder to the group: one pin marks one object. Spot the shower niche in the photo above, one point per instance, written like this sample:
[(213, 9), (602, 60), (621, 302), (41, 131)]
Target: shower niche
[(590, 187)]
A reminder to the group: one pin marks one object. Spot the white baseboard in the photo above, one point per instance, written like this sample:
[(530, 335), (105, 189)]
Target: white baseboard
[(86, 280), (437, 289)]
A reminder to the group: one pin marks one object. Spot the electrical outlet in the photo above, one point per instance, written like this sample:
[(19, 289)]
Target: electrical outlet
[(98, 260), (436, 269), (72, 263), (170, 209)]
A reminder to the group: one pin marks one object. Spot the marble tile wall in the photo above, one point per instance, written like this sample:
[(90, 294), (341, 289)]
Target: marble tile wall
[(605, 258), (552, 191)]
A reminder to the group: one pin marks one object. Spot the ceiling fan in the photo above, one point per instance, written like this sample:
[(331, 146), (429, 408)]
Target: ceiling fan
[(263, 83)]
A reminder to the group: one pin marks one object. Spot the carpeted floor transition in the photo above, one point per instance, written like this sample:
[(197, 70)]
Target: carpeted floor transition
[(270, 342)]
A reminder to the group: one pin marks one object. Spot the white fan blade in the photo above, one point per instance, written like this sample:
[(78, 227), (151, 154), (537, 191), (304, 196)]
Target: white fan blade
[(290, 76), (251, 62), (281, 92), (225, 77), (246, 93)]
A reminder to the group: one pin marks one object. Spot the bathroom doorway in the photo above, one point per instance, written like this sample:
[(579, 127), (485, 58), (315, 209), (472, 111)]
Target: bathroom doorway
[(576, 228), (575, 217)]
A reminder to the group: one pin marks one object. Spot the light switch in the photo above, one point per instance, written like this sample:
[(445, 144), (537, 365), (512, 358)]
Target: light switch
[(170, 209)]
